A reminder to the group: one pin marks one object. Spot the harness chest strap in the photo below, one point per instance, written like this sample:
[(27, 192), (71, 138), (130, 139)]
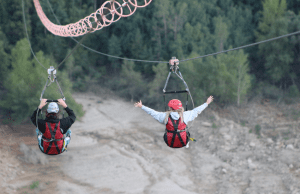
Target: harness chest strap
[(176, 132), (51, 140), (53, 137)]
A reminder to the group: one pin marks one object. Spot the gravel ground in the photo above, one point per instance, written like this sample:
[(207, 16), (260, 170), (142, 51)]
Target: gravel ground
[(117, 148)]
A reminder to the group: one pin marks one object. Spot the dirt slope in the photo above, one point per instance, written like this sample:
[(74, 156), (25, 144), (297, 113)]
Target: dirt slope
[(118, 148)]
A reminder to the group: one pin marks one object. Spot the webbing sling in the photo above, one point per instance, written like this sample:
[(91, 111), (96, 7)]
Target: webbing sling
[(175, 132), (52, 138)]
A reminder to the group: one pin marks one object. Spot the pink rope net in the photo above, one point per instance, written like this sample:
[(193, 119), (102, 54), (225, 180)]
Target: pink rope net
[(101, 18)]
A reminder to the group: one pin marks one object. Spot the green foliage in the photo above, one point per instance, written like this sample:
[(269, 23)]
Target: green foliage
[(198, 79), (70, 66), (271, 91), (243, 123), (26, 80), (5, 60), (34, 185), (277, 54), (225, 76), (294, 91), (221, 33), (214, 126), (272, 10), (241, 79), (11, 19), (157, 85), (257, 129), (131, 83), (163, 29), (115, 49)]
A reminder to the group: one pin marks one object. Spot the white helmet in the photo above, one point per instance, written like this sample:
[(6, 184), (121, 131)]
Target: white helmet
[(53, 108)]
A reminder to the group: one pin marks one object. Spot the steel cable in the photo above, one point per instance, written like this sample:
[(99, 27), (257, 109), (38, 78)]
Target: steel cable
[(95, 51), (24, 19)]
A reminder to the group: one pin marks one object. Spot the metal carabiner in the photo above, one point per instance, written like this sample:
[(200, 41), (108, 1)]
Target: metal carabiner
[(173, 68), (51, 71), (174, 64)]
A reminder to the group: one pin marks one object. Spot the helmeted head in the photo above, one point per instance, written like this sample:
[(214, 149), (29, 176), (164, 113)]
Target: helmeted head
[(175, 104), (53, 107)]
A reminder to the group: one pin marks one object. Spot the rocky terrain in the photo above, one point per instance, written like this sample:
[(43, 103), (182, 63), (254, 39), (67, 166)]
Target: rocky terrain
[(117, 148)]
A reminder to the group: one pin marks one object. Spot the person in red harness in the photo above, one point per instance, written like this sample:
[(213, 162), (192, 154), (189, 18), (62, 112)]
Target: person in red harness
[(175, 120), (52, 128)]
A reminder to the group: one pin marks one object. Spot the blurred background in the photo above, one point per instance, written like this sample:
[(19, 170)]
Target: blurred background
[(248, 138)]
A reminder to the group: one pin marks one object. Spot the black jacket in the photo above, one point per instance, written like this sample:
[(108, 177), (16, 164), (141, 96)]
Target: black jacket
[(65, 123)]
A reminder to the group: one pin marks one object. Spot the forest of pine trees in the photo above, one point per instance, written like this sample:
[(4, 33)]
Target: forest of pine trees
[(164, 29)]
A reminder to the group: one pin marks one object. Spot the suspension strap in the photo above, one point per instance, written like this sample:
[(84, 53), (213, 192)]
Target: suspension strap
[(52, 73), (174, 68), (62, 94)]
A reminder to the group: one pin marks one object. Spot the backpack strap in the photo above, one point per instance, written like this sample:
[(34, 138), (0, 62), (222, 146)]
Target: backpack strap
[(176, 132), (52, 138), (180, 139)]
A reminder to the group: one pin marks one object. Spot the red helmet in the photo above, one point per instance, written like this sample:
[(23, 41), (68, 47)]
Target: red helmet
[(175, 104)]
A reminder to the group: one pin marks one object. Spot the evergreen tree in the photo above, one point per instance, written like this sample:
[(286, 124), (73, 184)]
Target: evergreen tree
[(70, 65), (276, 55), (11, 19), (114, 48), (25, 82), (131, 82), (157, 85), (221, 33), (5, 59), (239, 70)]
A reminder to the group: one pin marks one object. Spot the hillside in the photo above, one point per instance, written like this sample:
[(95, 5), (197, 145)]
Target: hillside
[(118, 148)]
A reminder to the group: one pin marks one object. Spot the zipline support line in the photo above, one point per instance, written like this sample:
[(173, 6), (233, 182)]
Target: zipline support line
[(137, 60), (245, 46), (104, 54), (52, 73), (24, 19), (82, 26)]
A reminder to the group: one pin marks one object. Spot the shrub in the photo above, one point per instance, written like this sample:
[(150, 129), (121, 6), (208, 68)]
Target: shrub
[(34, 185)]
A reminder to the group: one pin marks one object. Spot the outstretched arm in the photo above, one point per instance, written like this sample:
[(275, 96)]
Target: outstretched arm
[(159, 116), (191, 115)]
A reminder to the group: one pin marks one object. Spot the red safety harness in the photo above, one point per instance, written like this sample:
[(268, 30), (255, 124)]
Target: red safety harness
[(176, 135), (52, 140)]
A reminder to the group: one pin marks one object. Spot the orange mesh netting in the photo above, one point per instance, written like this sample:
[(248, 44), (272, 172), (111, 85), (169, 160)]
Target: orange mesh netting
[(100, 18)]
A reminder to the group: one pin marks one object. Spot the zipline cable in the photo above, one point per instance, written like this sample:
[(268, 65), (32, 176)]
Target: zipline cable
[(82, 26), (78, 43), (32, 49), (237, 48), (203, 56), (24, 19), (245, 46), (112, 56)]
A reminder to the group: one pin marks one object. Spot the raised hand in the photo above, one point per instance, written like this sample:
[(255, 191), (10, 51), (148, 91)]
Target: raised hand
[(138, 104), (62, 103), (210, 99), (42, 103)]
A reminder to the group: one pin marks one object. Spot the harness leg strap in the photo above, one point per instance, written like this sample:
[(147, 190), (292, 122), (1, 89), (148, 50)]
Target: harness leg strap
[(180, 139), (53, 138)]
